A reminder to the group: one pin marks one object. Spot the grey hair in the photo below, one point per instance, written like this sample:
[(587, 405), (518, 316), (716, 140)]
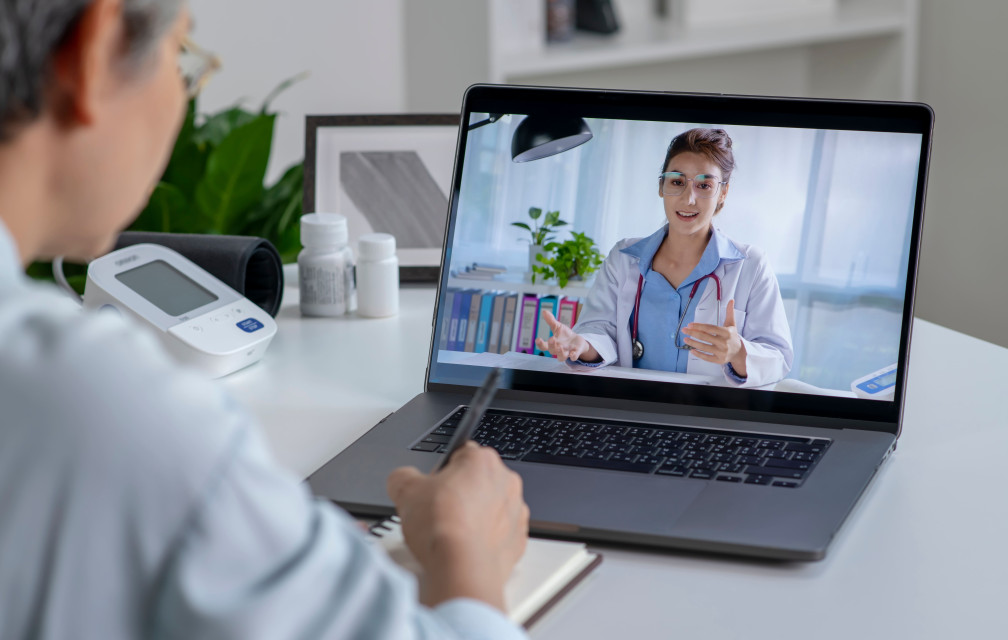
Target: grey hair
[(31, 31)]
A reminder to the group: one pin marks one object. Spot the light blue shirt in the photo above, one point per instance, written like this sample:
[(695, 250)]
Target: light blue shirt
[(750, 282), (137, 500), (662, 305)]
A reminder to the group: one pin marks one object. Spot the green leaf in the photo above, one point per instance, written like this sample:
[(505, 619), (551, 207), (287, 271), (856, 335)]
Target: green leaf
[(277, 216), (233, 181), (166, 211), (521, 225), (280, 88), (220, 125), (535, 212), (188, 159)]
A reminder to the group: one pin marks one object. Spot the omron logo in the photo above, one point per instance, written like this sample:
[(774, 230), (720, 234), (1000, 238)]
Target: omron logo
[(128, 259)]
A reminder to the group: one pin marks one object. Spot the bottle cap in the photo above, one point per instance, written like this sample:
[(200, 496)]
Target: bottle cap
[(376, 246), (323, 230)]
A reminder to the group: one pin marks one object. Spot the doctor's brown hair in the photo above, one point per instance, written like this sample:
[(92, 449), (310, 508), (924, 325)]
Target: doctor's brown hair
[(715, 144)]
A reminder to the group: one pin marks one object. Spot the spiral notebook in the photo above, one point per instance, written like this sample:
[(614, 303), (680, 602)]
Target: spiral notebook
[(547, 571)]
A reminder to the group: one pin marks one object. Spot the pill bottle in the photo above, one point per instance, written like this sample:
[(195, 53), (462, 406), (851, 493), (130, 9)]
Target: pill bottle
[(325, 266), (377, 276)]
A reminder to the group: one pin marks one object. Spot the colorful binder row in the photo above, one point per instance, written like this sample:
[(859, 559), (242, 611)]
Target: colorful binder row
[(501, 321)]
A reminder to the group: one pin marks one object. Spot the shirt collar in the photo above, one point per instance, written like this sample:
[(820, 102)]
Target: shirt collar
[(10, 262), (720, 249)]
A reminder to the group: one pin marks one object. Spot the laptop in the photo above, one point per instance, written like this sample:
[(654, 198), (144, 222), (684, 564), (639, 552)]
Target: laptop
[(815, 245)]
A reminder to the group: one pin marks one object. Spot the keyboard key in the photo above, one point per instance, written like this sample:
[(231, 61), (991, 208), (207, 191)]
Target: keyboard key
[(438, 439), (615, 465), (778, 454), (426, 446), (729, 478), (756, 479), (807, 457), (789, 464), (785, 483), (755, 460), (818, 447), (674, 470), (701, 474), (793, 474)]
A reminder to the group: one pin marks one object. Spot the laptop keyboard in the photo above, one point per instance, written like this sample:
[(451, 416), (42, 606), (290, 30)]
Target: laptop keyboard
[(703, 454)]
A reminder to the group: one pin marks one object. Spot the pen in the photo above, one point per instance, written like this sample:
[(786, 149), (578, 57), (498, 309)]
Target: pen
[(478, 406)]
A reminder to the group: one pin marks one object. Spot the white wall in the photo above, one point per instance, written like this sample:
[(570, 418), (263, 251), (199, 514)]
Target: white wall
[(352, 48), (356, 53), (964, 260)]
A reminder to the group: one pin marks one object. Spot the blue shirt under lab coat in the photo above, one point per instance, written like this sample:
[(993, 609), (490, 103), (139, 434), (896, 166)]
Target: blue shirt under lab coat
[(661, 303), (746, 278), (138, 500)]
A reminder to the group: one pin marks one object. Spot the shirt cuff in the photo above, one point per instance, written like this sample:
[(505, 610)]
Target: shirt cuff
[(478, 620), (730, 370)]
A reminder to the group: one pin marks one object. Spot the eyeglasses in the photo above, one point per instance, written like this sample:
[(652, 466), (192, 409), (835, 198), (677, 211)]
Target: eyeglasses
[(673, 183), (196, 66)]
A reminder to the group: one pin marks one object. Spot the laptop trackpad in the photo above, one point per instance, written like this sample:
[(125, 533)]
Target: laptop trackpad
[(605, 499)]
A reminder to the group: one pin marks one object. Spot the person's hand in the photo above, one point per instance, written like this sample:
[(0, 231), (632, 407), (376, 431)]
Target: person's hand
[(467, 524), (719, 345), (564, 343)]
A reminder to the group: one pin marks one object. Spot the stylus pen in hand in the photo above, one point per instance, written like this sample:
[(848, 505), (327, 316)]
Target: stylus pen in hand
[(478, 406)]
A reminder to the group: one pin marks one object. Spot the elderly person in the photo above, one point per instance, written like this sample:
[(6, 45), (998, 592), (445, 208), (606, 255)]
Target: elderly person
[(136, 500)]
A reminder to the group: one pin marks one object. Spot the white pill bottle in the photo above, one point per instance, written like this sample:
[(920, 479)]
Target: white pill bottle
[(377, 276), (325, 266)]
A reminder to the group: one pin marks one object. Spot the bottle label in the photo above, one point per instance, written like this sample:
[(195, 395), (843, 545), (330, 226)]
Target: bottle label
[(321, 286)]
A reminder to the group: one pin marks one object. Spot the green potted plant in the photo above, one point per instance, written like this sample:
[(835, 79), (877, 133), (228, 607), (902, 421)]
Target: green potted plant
[(540, 233), (576, 258)]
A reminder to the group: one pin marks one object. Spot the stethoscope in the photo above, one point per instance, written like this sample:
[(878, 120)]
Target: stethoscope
[(638, 347)]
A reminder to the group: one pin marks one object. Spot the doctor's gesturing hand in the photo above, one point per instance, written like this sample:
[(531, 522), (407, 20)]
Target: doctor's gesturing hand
[(564, 343), (719, 345)]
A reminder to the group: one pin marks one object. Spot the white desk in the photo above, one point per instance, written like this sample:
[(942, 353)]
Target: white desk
[(923, 555)]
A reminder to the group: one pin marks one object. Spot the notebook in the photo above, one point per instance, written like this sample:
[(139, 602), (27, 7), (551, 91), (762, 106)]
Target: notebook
[(545, 573), (811, 258)]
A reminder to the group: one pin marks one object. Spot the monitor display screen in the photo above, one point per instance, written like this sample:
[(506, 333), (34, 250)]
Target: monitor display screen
[(693, 254), (166, 288)]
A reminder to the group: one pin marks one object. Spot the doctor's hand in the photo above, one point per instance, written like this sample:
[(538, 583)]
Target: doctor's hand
[(564, 343), (719, 345)]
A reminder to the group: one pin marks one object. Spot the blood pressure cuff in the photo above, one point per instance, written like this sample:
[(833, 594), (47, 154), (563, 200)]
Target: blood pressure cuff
[(249, 265)]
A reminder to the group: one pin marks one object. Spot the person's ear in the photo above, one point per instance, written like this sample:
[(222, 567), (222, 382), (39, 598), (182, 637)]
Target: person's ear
[(721, 197), (84, 64)]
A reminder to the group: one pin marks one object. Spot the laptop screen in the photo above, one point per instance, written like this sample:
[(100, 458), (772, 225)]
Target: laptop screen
[(688, 249)]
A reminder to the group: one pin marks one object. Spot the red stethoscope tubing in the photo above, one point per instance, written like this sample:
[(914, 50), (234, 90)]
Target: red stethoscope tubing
[(696, 286)]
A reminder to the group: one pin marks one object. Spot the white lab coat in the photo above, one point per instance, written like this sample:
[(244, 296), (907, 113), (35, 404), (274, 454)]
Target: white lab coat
[(759, 315)]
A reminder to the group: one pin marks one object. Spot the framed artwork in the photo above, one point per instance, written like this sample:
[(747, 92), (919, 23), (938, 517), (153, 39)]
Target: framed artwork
[(385, 173)]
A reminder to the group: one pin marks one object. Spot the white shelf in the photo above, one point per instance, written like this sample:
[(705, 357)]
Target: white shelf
[(644, 39)]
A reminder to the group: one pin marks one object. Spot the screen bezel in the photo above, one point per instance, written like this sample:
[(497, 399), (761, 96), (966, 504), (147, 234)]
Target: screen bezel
[(724, 109)]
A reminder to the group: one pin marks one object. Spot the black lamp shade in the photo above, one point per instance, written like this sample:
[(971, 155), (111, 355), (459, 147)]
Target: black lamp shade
[(542, 136)]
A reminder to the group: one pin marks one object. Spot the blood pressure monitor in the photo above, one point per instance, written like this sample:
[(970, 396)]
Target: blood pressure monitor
[(202, 321), (879, 385)]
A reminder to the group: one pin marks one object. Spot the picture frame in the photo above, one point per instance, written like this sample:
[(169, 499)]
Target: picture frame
[(386, 173)]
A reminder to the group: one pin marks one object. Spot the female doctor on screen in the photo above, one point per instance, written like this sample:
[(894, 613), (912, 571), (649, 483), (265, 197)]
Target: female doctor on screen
[(686, 298)]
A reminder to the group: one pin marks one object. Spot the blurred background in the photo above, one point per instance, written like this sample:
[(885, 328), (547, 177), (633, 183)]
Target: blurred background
[(417, 56)]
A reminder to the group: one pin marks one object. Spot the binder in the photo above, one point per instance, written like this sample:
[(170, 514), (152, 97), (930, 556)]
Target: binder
[(460, 339), (456, 315), (527, 320), (483, 325), (543, 329), (508, 324), (568, 311), (496, 323), (448, 306), (470, 333)]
